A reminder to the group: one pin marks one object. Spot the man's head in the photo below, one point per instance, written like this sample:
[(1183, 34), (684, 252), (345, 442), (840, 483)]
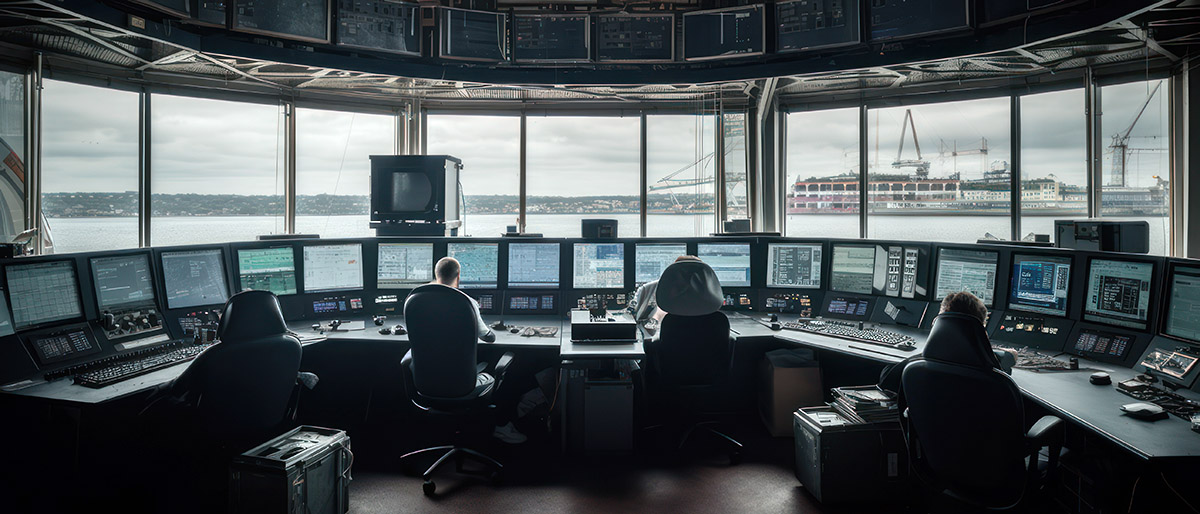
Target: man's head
[(965, 303), (682, 258), (446, 271)]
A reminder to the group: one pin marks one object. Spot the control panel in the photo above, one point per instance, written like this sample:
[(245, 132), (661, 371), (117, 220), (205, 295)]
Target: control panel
[(789, 303), (1171, 361), (389, 304), (340, 304), (737, 302), (608, 301), (847, 307), (62, 343), (200, 325), (120, 324), (1032, 330)]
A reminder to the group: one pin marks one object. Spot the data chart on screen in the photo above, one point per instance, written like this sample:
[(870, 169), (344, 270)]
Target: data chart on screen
[(533, 264), (404, 265), (731, 262), (267, 269), (194, 278), (333, 268), (123, 280), (649, 260), (1118, 293), (478, 263), (794, 265), (1183, 303), (1040, 284), (599, 265), (43, 292), (973, 271), (852, 269)]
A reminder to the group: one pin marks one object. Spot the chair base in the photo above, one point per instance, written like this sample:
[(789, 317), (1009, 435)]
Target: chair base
[(492, 468)]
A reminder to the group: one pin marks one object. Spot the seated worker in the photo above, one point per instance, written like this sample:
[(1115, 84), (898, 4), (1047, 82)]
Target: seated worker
[(961, 302), (446, 272), (644, 306)]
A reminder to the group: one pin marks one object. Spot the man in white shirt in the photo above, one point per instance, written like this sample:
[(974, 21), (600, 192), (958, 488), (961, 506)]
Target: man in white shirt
[(645, 306), (446, 272)]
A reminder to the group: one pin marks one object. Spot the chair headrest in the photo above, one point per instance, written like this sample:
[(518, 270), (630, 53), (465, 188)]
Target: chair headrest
[(689, 288), (958, 338), (438, 291), (251, 315)]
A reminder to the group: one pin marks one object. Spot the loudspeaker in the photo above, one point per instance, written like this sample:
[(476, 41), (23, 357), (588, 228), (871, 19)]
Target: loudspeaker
[(599, 229)]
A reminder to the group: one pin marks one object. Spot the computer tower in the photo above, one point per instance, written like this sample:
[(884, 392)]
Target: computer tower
[(849, 463), (1103, 235), (304, 471)]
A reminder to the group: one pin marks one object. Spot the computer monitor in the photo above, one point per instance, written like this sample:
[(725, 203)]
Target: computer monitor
[(649, 260), (404, 265), (267, 269), (973, 271), (1183, 303), (123, 281), (193, 278), (533, 264), (853, 269), (336, 267), (43, 293), (731, 261), (1118, 293), (724, 33), (794, 265), (599, 265), (478, 264), (1040, 283), (472, 35)]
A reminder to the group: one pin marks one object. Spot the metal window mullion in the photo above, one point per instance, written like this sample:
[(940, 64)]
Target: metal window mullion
[(33, 153), (863, 179), (750, 136), (400, 134), (781, 180), (289, 167), (1094, 152), (719, 169), (643, 180), (521, 180), (145, 211), (1015, 191)]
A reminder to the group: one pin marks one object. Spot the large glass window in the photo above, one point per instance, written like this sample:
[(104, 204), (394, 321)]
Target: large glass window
[(490, 149), (956, 187), (821, 192), (89, 166), (1136, 165), (217, 171), (12, 154), (582, 167), (1054, 183), (333, 169), (736, 185), (679, 175)]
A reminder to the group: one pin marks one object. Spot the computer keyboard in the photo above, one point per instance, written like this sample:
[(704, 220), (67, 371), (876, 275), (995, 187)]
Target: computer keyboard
[(1034, 360), (112, 372), (854, 332)]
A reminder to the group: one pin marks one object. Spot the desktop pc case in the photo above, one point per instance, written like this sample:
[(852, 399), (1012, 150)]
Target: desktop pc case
[(856, 463), (304, 471)]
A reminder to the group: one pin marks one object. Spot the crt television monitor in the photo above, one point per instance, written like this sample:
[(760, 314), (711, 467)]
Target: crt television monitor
[(1040, 284), (599, 266), (123, 281), (414, 187), (794, 265), (852, 269), (1118, 292), (1182, 319), (478, 264), (649, 260), (333, 267), (43, 293), (404, 265), (973, 271), (731, 262), (194, 278), (533, 265), (267, 269)]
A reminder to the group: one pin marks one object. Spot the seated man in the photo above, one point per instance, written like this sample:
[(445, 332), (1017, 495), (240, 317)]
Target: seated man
[(961, 302), (446, 272), (644, 305)]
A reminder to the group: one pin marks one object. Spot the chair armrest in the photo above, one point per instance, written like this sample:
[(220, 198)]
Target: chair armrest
[(1007, 360), (502, 365), (1046, 431)]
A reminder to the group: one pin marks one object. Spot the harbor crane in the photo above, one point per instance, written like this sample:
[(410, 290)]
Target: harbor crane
[(1120, 145)]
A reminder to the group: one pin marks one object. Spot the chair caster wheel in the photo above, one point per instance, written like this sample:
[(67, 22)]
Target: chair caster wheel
[(429, 487), (735, 458)]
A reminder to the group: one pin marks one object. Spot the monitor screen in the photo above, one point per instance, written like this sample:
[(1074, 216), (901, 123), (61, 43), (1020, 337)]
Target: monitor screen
[(649, 260), (1040, 284), (814, 24), (724, 33), (333, 268), (387, 25), (731, 261), (551, 37), (472, 35), (892, 19), (635, 37), (1118, 293), (1183, 303), (43, 292), (478, 264), (599, 265), (794, 265), (533, 265), (194, 278), (404, 265), (853, 269), (973, 271), (302, 19), (267, 269), (123, 280)]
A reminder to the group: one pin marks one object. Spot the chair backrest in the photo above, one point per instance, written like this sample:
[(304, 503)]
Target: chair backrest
[(693, 346), (965, 416), (442, 331)]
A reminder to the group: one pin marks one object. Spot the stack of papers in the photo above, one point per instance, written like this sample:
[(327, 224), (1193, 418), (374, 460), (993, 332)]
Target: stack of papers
[(866, 404)]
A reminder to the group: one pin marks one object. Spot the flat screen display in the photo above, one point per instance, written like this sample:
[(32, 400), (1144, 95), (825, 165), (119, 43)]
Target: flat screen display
[(300, 19), (815, 24), (478, 263), (1183, 303), (852, 269), (551, 37), (731, 262), (973, 271), (794, 265), (635, 37), (123, 280), (193, 278), (404, 265), (1040, 284), (1118, 293), (267, 269), (895, 19), (599, 265), (43, 292), (472, 35), (723, 33), (533, 264), (649, 260), (385, 25), (335, 267)]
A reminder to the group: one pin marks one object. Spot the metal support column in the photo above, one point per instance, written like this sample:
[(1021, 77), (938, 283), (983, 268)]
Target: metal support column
[(289, 166), (719, 169), (144, 171), (643, 195), (1095, 150), (33, 154), (863, 179), (765, 215), (750, 136), (521, 182), (400, 137), (1185, 174), (781, 192), (1014, 131)]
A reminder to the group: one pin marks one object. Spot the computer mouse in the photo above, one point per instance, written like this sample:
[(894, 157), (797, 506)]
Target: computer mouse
[(774, 318), (1144, 410), (776, 326), (385, 331), (499, 325), (514, 330), (1100, 378), (399, 330)]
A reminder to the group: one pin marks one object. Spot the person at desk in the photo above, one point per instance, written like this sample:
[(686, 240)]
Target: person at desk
[(644, 304), (446, 272), (961, 302)]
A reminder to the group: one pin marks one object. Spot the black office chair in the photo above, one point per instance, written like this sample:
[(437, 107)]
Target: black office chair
[(965, 421), (443, 378), (688, 364)]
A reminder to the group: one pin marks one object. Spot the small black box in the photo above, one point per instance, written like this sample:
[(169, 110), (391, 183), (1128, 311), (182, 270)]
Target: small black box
[(1103, 235), (735, 226), (599, 229), (304, 471)]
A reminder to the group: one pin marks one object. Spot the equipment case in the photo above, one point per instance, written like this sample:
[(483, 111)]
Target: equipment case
[(304, 471), (849, 463)]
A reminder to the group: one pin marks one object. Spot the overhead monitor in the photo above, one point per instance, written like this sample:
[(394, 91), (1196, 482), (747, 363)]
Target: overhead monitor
[(973, 271), (193, 278), (478, 264), (992, 12), (472, 35), (387, 25), (852, 269), (816, 24), (731, 262), (43, 293), (1118, 293), (305, 20), (896, 19), (533, 264), (404, 265), (1040, 283), (635, 37), (599, 265), (1183, 303), (723, 33), (211, 12), (336, 267), (267, 269), (794, 265), (549, 38), (123, 281), (180, 8), (649, 260)]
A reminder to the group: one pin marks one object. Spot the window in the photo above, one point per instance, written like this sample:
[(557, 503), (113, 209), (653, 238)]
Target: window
[(821, 195), (1136, 162), (1054, 183), (679, 175), (582, 167), (217, 173), (736, 186), (12, 153), (89, 166), (955, 187), (490, 149), (333, 169)]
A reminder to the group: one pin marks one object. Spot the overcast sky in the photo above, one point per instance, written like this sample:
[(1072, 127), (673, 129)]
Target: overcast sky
[(212, 146)]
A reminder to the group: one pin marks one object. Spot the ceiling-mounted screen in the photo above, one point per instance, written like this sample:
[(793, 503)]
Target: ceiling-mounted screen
[(815, 24), (305, 20), (723, 33), (635, 37), (551, 38), (210, 12), (386, 25), (998, 11), (472, 35), (181, 8), (895, 19)]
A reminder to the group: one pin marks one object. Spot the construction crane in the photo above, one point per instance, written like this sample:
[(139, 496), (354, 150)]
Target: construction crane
[(920, 165), (1120, 144)]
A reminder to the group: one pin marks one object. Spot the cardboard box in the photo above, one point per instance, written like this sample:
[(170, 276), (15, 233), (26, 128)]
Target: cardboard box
[(789, 380)]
